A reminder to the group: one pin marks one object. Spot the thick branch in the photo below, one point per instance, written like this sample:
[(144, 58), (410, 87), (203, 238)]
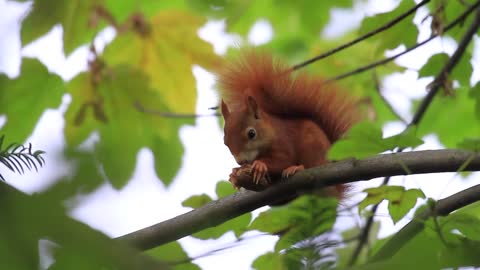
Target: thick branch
[(442, 208), (222, 210)]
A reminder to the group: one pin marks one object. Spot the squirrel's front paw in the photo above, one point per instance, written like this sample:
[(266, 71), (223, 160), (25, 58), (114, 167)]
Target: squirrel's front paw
[(259, 169), (243, 177), (233, 178)]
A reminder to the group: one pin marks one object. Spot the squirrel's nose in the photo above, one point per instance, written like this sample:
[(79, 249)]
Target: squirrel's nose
[(241, 161)]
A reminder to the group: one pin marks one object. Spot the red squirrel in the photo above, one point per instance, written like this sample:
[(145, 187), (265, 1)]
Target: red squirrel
[(278, 121)]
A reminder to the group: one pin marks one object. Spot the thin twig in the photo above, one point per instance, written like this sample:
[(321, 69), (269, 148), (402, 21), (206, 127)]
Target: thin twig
[(385, 101), (458, 20), (172, 115), (365, 233), (435, 87), (439, 81), (238, 242), (367, 35)]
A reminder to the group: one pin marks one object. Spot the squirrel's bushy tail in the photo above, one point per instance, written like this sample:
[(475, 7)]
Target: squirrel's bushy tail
[(279, 90)]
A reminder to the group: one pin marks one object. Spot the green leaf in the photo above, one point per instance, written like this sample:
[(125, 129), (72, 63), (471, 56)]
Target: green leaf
[(173, 253), (286, 16), (362, 140), (475, 95), (74, 16), (238, 225), (378, 194), (345, 253), (447, 11), (108, 106), (427, 251), (304, 217), (401, 201), (405, 139), (472, 144), (367, 86), (83, 179), (433, 65), (24, 99), (365, 139), (430, 253), (270, 261), (400, 207), (466, 224), (471, 209), (197, 201), (122, 10), (295, 24), (462, 122), (463, 254), (224, 189), (390, 39), (462, 71), (273, 221), (374, 196)]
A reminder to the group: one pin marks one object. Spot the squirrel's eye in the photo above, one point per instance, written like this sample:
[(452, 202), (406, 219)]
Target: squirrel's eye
[(251, 133)]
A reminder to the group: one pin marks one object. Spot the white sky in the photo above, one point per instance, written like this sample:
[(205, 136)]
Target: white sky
[(144, 200)]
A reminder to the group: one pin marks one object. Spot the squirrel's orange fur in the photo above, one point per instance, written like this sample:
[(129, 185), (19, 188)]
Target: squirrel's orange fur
[(295, 117)]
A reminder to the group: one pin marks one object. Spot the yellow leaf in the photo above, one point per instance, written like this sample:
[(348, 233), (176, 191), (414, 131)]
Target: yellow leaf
[(166, 55)]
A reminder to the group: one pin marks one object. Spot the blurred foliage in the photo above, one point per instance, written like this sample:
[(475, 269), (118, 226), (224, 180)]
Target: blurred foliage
[(238, 225), (173, 254), (351, 235), (149, 65), (390, 40), (462, 122), (400, 201), (305, 217), (24, 99), (365, 139)]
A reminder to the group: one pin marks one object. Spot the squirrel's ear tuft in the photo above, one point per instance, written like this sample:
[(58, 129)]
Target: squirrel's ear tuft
[(253, 107), (225, 111)]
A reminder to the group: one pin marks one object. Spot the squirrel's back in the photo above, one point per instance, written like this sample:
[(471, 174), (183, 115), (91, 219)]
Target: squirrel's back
[(286, 93)]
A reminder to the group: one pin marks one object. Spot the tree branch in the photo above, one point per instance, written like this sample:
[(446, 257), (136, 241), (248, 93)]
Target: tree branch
[(442, 208), (140, 108), (378, 89), (435, 86), (458, 20), (367, 35), (217, 212)]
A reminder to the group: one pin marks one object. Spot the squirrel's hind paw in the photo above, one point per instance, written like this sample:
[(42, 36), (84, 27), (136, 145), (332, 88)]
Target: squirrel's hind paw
[(291, 171)]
